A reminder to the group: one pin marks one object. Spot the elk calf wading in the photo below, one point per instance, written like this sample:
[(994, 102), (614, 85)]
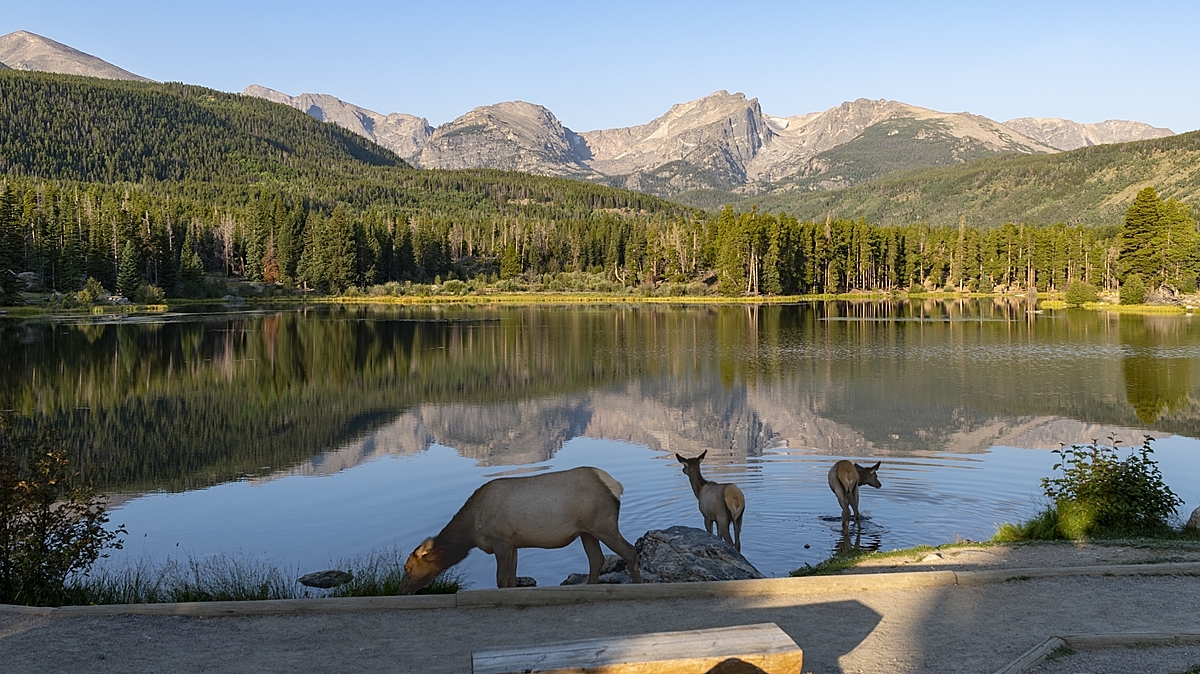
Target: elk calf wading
[(720, 504), (844, 479), (538, 511)]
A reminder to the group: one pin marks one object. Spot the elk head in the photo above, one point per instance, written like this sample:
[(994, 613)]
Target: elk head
[(691, 465), (866, 474), (423, 565)]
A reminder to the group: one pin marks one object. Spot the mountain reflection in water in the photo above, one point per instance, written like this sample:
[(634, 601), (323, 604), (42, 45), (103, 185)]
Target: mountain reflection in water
[(186, 402)]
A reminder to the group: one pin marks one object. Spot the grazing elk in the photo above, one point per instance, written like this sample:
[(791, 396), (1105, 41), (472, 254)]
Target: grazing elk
[(721, 504), (537, 511), (845, 477)]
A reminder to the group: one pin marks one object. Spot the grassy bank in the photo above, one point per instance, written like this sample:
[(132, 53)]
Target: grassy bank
[(226, 578)]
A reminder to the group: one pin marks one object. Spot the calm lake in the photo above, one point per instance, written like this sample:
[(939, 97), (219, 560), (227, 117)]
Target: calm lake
[(302, 437)]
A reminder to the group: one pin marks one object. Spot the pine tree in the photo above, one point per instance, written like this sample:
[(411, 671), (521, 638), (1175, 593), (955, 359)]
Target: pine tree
[(11, 249), (129, 279), (1141, 238), (510, 263)]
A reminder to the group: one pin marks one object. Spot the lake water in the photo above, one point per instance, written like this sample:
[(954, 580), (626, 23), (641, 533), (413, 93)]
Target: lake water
[(302, 437)]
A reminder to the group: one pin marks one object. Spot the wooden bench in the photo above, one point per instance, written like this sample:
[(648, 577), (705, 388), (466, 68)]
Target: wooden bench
[(745, 649)]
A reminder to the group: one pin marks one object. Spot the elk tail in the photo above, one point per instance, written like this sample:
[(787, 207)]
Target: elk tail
[(735, 500)]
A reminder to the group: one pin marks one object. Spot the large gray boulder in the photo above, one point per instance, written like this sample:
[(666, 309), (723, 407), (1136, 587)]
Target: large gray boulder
[(686, 554), (677, 555), (1193, 523)]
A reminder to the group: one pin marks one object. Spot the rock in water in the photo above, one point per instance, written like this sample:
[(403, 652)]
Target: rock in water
[(526, 581), (1193, 523), (686, 554), (326, 579)]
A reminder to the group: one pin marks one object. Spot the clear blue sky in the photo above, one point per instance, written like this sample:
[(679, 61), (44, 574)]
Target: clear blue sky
[(608, 64)]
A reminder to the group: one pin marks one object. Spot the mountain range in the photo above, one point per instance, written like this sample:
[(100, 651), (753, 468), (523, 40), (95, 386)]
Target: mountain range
[(718, 149), (22, 50), (720, 142)]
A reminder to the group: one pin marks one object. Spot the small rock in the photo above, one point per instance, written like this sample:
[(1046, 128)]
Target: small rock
[(1193, 523), (326, 579), (686, 554), (932, 557), (526, 581)]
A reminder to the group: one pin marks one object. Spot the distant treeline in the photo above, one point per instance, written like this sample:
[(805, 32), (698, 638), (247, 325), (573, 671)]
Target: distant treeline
[(66, 231), (177, 187)]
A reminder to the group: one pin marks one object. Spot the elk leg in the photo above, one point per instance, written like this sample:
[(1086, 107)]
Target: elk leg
[(854, 503), (617, 543), (595, 557), (737, 533), (506, 566), (723, 527)]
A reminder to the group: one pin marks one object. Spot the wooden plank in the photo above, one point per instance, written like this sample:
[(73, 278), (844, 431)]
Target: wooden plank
[(586, 594), (1032, 657), (744, 648), (263, 607), (1131, 639), (1001, 575)]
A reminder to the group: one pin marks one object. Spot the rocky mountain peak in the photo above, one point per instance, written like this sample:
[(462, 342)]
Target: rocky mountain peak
[(22, 50), (512, 135), (403, 134), (1063, 134)]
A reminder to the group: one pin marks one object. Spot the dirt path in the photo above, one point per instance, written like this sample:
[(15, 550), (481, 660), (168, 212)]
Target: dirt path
[(977, 628)]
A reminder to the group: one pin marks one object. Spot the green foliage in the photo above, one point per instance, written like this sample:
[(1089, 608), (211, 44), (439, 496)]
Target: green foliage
[(149, 294), (510, 263), (1081, 292), (1099, 493), (128, 277), (91, 292), (51, 524), (1081, 187), (1133, 290)]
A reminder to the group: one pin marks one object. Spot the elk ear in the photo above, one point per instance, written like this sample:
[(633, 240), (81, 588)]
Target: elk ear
[(424, 549), (876, 466), (702, 455), (681, 459)]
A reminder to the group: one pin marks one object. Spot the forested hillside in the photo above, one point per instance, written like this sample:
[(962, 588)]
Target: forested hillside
[(1088, 186), (151, 188)]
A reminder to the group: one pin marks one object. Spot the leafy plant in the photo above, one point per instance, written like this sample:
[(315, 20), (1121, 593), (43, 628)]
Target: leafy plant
[(1081, 292), (1133, 290), (51, 524), (1100, 493)]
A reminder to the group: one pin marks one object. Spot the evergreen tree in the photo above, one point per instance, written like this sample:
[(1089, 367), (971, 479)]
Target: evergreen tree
[(510, 263), (129, 279), (12, 248), (1141, 236), (339, 248)]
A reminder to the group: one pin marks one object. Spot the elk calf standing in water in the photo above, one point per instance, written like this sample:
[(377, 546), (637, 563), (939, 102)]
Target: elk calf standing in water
[(844, 479), (719, 503), (538, 511)]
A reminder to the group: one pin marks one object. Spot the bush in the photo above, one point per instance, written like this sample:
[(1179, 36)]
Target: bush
[(1100, 494), (454, 287), (1133, 290), (92, 291), (1081, 292), (148, 294), (51, 524)]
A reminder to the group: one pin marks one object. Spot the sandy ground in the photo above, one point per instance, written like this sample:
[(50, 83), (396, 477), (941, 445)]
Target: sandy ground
[(976, 628)]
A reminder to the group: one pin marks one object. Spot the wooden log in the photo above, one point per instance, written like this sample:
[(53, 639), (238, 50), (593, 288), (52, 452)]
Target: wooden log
[(745, 649)]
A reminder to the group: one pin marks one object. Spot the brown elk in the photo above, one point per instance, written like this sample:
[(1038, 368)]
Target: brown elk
[(537, 511), (845, 477), (721, 504)]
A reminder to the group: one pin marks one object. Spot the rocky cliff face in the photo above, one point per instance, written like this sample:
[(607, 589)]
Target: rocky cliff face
[(515, 136), (405, 135), (722, 141), (1063, 134), (710, 142), (22, 50)]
